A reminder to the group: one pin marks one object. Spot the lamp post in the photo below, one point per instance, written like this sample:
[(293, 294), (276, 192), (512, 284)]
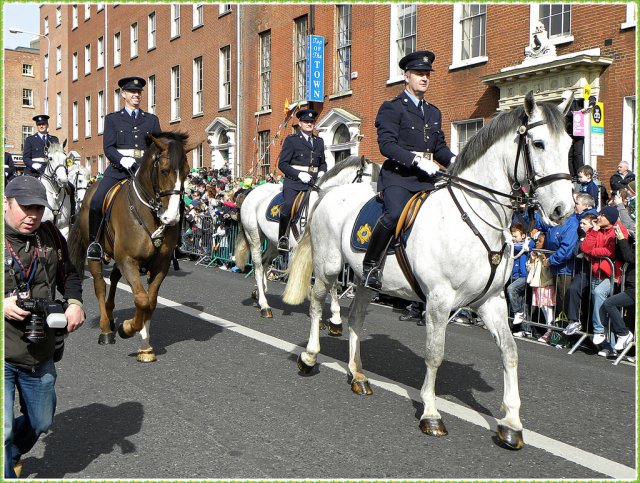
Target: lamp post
[(46, 81)]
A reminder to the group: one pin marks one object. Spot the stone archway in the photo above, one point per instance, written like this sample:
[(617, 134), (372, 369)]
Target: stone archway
[(221, 138), (340, 131)]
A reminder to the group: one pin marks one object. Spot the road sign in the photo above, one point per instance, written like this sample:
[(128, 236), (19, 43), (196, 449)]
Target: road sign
[(597, 129), (586, 91)]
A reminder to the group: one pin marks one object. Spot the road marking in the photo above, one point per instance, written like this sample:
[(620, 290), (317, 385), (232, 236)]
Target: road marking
[(570, 453)]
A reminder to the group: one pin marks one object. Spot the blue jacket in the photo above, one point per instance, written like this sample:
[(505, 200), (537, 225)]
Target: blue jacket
[(520, 263), (590, 188), (562, 239)]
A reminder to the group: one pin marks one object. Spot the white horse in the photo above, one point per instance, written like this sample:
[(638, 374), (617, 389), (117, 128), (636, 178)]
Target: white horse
[(480, 191), (256, 228), (79, 180), (55, 180)]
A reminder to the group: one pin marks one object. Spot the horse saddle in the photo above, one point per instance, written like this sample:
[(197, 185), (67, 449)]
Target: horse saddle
[(110, 197), (273, 208), (371, 212)]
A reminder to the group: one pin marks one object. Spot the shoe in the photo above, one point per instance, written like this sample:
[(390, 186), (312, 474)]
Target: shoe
[(94, 251), (420, 322), (408, 316), (623, 341), (518, 318), (519, 334), (598, 339), (283, 244), (608, 354), (17, 468), (547, 335), (572, 328)]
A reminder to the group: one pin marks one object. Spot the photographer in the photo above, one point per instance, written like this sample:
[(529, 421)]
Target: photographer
[(36, 263)]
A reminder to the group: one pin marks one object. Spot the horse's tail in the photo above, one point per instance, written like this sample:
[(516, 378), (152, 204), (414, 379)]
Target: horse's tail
[(77, 248), (300, 271), (242, 248)]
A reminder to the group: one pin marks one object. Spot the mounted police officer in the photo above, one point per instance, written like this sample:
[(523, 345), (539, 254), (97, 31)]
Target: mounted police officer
[(410, 136), (302, 162), (124, 142), (34, 153)]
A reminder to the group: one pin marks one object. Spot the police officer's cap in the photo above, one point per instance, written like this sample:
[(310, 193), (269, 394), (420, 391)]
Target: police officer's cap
[(307, 115), (419, 60), (27, 191), (41, 119), (132, 83)]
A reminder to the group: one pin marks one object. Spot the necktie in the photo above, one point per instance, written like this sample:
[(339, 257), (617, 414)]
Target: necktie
[(311, 141), (133, 115), (420, 108)]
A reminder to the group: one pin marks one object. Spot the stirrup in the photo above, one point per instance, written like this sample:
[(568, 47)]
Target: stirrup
[(94, 251), (372, 279), (283, 244)]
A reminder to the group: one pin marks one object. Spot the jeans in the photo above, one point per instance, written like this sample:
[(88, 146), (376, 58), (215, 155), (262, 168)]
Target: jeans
[(515, 294), (37, 395), (600, 290), (612, 307)]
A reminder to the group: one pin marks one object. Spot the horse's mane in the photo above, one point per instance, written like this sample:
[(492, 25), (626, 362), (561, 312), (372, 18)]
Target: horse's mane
[(176, 141), (503, 124), (55, 147), (349, 162)]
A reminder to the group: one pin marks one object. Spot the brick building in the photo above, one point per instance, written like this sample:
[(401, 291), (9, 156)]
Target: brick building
[(223, 72), (22, 96)]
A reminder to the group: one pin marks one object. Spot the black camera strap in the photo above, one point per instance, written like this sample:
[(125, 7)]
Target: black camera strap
[(25, 276)]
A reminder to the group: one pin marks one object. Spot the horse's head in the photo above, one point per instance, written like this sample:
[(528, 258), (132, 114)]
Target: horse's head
[(57, 168), (350, 170), (545, 171), (79, 178), (164, 169)]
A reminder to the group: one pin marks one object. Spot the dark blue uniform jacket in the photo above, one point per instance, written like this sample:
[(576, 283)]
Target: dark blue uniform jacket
[(401, 130), (34, 148), (297, 152), (122, 132)]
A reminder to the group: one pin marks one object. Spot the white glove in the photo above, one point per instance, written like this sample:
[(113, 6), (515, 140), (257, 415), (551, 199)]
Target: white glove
[(304, 177), (453, 160), (428, 166), (320, 174), (127, 162), (36, 165)]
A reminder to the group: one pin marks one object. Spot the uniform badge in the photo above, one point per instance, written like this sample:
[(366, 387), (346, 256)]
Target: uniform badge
[(426, 59), (364, 234), (275, 211)]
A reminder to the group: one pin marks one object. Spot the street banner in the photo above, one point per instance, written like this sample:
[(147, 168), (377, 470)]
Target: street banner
[(315, 68), (578, 123), (597, 130)]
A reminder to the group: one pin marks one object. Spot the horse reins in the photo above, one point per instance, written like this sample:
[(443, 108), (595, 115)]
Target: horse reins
[(53, 181)]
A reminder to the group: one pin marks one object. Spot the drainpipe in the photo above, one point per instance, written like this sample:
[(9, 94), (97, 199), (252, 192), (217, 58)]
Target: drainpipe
[(238, 167)]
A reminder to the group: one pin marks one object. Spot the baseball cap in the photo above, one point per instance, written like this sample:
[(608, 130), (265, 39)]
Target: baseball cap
[(27, 190)]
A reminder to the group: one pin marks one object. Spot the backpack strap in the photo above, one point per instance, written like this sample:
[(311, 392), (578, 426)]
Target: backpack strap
[(56, 236)]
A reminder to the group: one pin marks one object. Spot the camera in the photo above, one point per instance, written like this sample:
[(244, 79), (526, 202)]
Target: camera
[(44, 311)]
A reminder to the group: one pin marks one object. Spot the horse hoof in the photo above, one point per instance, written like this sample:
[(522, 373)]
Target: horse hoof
[(146, 355), (108, 338), (434, 427), (361, 387), (302, 367), (254, 294), (334, 330), (510, 438), (122, 333), (266, 313)]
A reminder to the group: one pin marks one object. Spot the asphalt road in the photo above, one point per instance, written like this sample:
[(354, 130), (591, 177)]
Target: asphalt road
[(225, 399)]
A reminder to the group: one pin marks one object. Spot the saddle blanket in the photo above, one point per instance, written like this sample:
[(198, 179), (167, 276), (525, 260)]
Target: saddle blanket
[(364, 224), (273, 209)]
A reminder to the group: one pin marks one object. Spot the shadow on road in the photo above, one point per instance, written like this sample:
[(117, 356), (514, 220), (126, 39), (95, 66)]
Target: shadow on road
[(81, 435)]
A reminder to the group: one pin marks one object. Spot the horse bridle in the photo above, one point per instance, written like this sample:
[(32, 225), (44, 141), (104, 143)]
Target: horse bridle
[(54, 181), (154, 202)]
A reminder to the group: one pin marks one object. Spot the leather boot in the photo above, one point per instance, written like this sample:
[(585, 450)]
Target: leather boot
[(283, 233), (94, 251), (371, 271)]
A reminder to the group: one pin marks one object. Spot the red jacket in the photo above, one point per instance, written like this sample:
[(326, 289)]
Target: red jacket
[(602, 243)]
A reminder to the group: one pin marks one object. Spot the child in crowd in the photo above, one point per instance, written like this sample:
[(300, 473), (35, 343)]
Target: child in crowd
[(541, 280), (587, 185), (518, 286)]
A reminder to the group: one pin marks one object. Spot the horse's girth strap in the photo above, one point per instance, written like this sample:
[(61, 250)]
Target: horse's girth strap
[(111, 195), (403, 262)]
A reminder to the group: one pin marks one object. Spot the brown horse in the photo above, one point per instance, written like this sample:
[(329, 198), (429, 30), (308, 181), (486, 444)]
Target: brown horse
[(140, 234)]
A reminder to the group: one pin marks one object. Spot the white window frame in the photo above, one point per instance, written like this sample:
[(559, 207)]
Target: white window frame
[(629, 132), (87, 11), (99, 7), (26, 132), (264, 151), (395, 73), (74, 17), (74, 120), (198, 86), (631, 18), (74, 66), (151, 94), (133, 37), (45, 73), (198, 156), (175, 93), (198, 15), (300, 39), (456, 53), (534, 17), (58, 59), (58, 110), (117, 49), (224, 8), (87, 117), (116, 100), (175, 20), (100, 163), (27, 95), (455, 133), (58, 16), (265, 70), (151, 31), (344, 33), (87, 59), (45, 28), (100, 59), (27, 70), (101, 111), (225, 77)]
